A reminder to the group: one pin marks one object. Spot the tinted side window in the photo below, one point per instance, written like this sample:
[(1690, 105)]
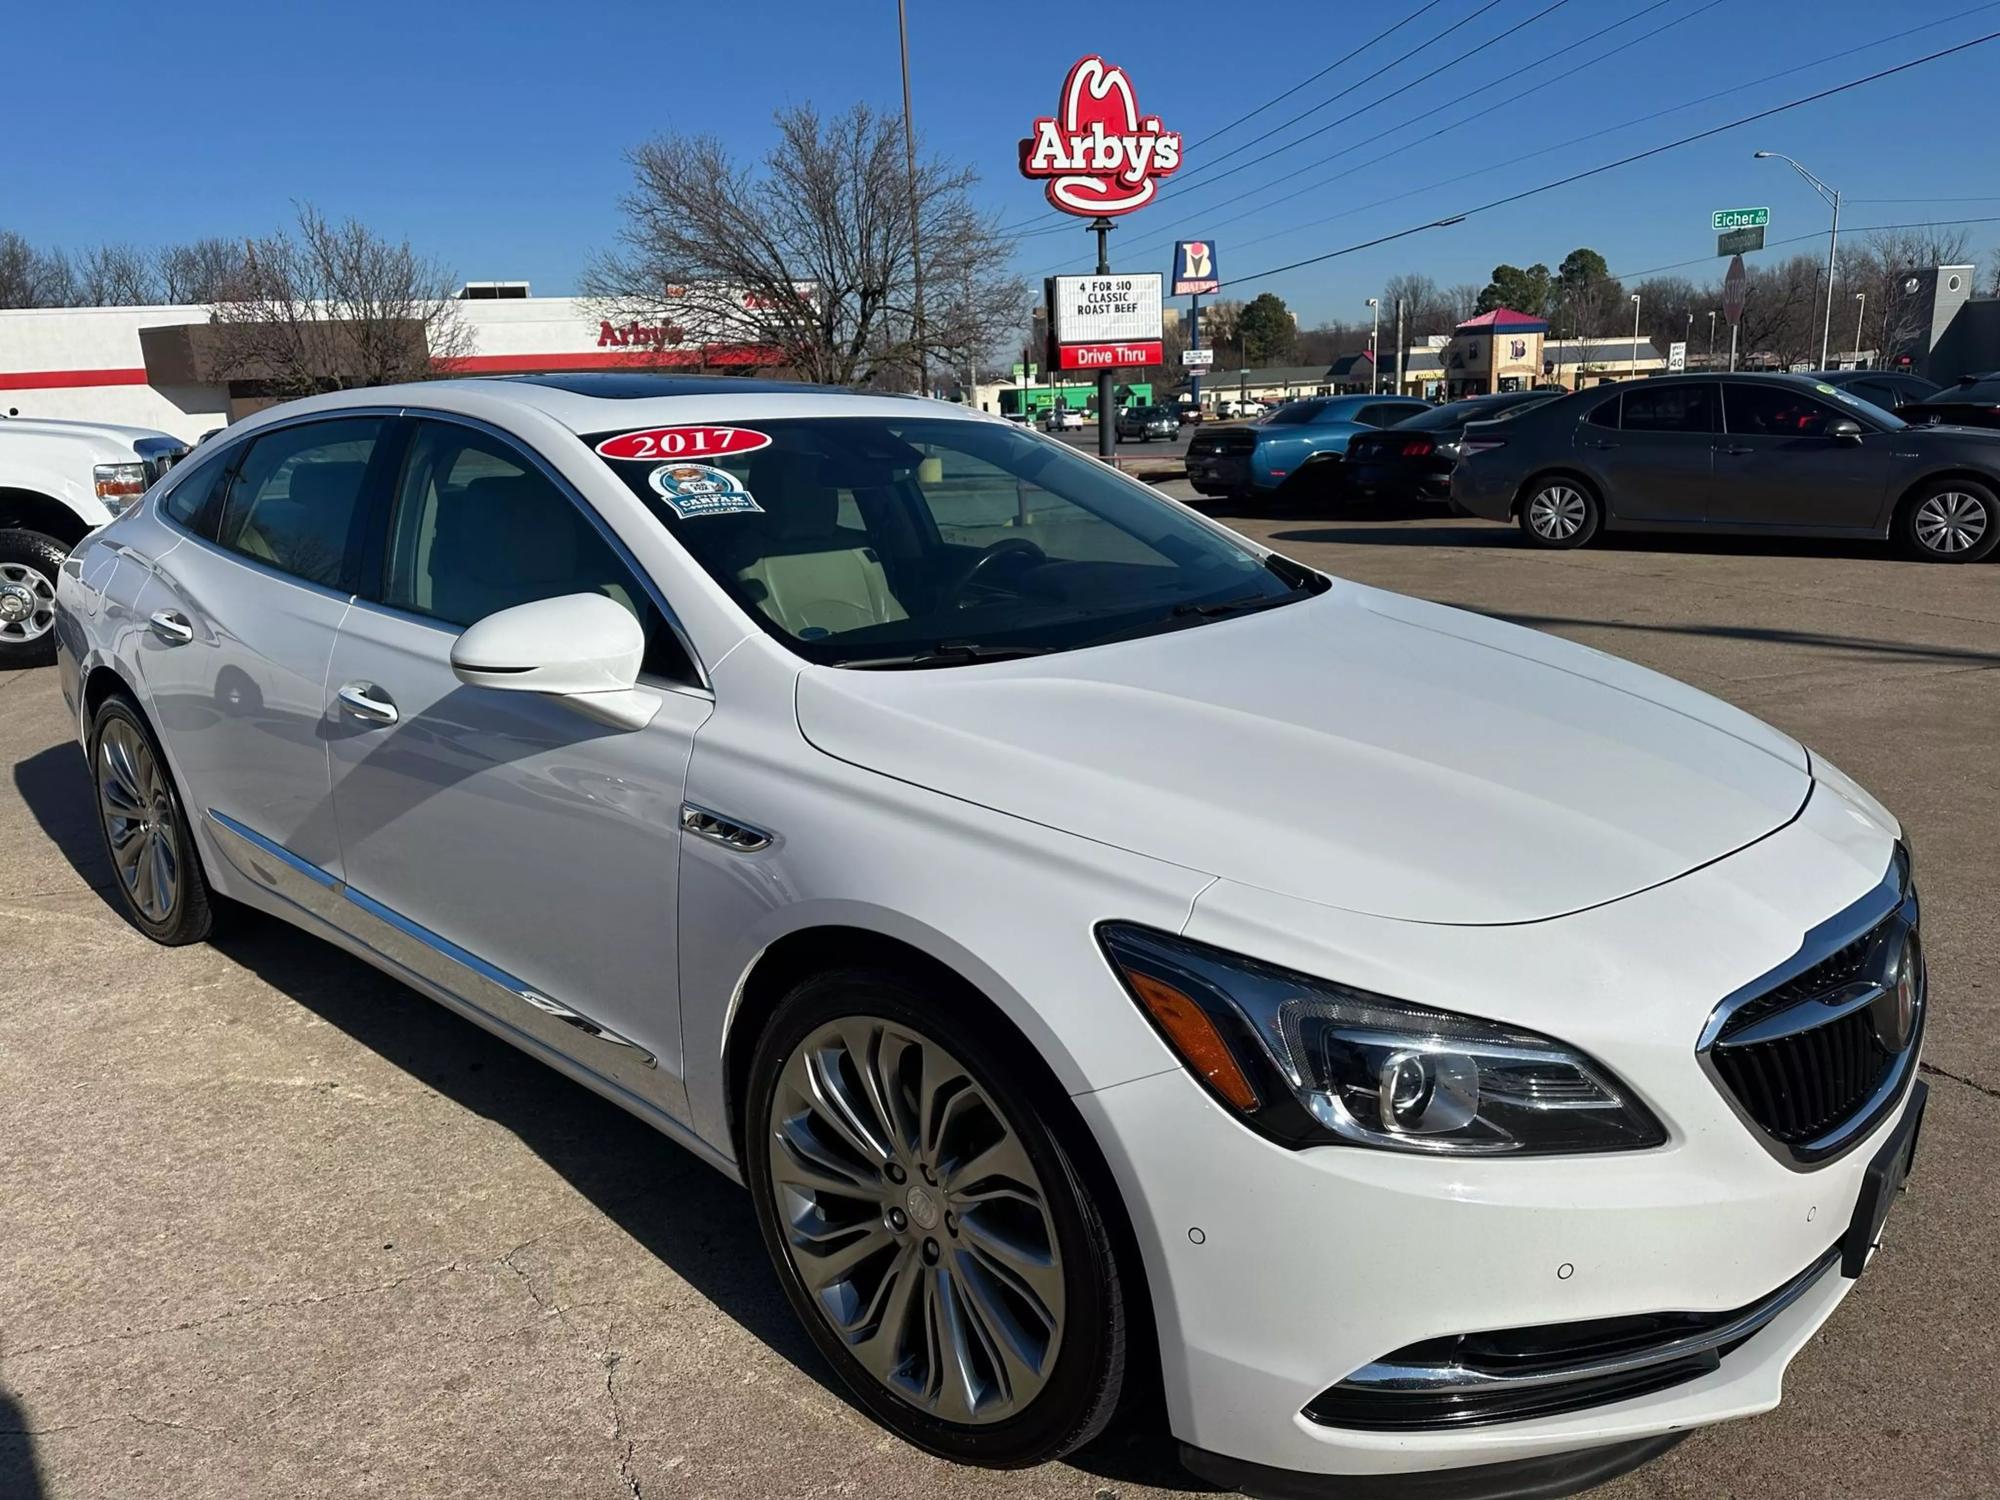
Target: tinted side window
[(476, 527), (297, 495), (1880, 392), (1776, 411), (1383, 413), (196, 496), (1604, 414), (1671, 408)]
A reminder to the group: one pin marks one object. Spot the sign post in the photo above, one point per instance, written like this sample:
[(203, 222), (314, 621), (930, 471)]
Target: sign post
[(1100, 157), (1194, 275), (1733, 288)]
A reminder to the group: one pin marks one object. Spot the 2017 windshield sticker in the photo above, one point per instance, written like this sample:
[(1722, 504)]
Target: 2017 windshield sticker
[(655, 443), (694, 490)]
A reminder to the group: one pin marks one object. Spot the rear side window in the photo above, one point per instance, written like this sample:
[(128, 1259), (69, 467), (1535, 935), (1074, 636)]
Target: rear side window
[(1604, 414), (297, 496), (1382, 413), (1671, 408), (477, 527)]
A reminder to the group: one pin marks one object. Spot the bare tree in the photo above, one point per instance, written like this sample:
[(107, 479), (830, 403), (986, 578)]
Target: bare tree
[(34, 278), (811, 251), (1463, 299), (1427, 307), (202, 270), (116, 276), (334, 306)]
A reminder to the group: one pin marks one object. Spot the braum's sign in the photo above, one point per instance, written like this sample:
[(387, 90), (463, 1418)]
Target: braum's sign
[(1099, 154)]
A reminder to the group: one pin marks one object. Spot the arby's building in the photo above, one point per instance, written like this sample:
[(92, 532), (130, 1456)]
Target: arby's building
[(163, 367)]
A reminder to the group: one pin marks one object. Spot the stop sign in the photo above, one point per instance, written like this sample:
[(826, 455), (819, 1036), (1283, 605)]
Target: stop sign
[(1732, 290)]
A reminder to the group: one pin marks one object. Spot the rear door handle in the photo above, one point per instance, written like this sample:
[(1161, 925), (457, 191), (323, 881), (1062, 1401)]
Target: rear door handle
[(1590, 443), (171, 626), (364, 700), (1732, 451)]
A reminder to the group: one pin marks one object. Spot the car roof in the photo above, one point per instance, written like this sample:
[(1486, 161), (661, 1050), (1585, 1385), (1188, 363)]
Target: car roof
[(626, 402)]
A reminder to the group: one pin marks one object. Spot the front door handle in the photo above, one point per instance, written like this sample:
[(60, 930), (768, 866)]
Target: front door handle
[(171, 626), (364, 700), (1730, 450)]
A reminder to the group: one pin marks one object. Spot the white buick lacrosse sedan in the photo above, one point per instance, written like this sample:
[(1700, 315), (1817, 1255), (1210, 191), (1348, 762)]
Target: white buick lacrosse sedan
[(1435, 1058)]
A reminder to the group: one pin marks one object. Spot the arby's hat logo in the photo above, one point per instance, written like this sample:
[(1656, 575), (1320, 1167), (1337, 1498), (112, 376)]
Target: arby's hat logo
[(1099, 154)]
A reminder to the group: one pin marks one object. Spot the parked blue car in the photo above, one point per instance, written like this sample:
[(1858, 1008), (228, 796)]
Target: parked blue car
[(1290, 447)]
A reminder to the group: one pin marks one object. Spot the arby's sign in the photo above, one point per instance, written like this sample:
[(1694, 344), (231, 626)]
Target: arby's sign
[(1098, 154)]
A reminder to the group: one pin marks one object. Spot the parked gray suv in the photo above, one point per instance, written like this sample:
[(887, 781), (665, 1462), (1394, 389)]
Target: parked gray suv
[(1748, 454)]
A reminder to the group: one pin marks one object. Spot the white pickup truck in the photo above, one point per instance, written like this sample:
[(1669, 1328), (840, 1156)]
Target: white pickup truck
[(59, 481)]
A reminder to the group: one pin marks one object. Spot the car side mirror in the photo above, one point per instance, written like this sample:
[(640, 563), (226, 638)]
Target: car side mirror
[(583, 650), (1844, 430)]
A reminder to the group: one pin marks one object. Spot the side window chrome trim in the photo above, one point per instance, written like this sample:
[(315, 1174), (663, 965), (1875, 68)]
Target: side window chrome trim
[(623, 553)]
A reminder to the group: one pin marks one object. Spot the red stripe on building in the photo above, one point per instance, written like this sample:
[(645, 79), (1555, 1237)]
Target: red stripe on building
[(63, 380), (730, 356)]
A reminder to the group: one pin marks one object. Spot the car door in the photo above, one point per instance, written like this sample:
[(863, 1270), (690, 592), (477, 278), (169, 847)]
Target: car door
[(1778, 466), (1656, 464), (242, 617), (515, 854)]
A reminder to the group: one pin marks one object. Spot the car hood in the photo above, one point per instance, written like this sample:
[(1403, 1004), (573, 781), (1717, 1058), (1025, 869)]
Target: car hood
[(1358, 749)]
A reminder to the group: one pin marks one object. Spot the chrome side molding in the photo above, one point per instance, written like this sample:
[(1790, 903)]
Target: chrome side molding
[(411, 946)]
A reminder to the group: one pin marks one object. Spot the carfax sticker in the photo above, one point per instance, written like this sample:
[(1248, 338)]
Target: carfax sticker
[(683, 442), (693, 490)]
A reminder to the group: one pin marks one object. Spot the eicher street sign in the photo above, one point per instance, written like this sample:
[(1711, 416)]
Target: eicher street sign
[(1104, 322), (1740, 218), (1097, 152), (1194, 269)]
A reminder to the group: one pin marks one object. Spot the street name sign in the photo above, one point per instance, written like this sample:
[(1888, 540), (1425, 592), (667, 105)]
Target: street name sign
[(1740, 241), (1740, 218)]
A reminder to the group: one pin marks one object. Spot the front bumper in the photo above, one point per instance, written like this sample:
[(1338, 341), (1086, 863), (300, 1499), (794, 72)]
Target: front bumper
[(1277, 1274)]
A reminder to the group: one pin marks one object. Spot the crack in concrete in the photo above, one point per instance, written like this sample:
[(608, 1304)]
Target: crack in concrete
[(311, 1300), (1934, 1071), (622, 1443)]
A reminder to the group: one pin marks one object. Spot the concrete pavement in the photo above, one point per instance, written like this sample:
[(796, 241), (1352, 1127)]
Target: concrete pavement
[(271, 1224)]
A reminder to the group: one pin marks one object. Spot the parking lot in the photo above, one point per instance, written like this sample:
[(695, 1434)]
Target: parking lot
[(276, 1225)]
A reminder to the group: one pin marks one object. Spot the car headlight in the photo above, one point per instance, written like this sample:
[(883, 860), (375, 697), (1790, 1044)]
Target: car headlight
[(1309, 1062), (118, 485)]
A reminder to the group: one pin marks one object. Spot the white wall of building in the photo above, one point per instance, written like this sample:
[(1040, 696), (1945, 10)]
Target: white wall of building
[(84, 364)]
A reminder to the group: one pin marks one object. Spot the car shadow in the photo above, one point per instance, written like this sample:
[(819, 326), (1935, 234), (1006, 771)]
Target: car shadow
[(20, 1475), (683, 1212)]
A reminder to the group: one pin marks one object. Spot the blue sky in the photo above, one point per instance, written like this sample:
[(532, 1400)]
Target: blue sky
[(491, 134)]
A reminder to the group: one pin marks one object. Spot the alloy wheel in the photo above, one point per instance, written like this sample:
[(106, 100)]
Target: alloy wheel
[(1951, 521), (1558, 512), (916, 1220), (27, 603), (138, 812)]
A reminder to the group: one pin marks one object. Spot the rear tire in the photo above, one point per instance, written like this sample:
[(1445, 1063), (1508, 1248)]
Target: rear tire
[(1950, 521), (143, 825), (30, 562), (902, 1154), (1561, 513)]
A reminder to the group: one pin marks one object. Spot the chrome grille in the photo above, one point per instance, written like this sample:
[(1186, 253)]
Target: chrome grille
[(1813, 1054)]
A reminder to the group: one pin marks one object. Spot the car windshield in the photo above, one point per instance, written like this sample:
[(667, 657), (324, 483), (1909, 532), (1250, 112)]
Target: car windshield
[(1458, 413), (870, 541), (1292, 413), (1861, 404)]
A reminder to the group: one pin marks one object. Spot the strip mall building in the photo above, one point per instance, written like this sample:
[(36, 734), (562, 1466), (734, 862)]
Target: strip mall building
[(159, 367)]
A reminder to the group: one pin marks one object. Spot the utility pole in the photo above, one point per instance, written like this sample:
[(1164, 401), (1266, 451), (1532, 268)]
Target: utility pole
[(910, 165), (1375, 347), (1399, 346)]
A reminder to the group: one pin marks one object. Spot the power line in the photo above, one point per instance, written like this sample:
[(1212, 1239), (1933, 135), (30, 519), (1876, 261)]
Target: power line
[(1395, 62), (1290, 183), (1564, 144), (1625, 161), (1975, 198), (1349, 57)]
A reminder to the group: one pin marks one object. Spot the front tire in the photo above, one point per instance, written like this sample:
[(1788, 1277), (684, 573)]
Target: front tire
[(1561, 513), (1950, 521), (929, 1225), (29, 564), (140, 817)]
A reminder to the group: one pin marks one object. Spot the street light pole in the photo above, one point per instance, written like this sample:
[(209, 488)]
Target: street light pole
[(1688, 337), (1832, 196), (1399, 346), (1375, 348), (910, 166), (1635, 333), (1711, 339), (1859, 313)]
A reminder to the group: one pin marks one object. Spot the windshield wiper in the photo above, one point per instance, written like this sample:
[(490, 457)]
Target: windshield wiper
[(947, 654)]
